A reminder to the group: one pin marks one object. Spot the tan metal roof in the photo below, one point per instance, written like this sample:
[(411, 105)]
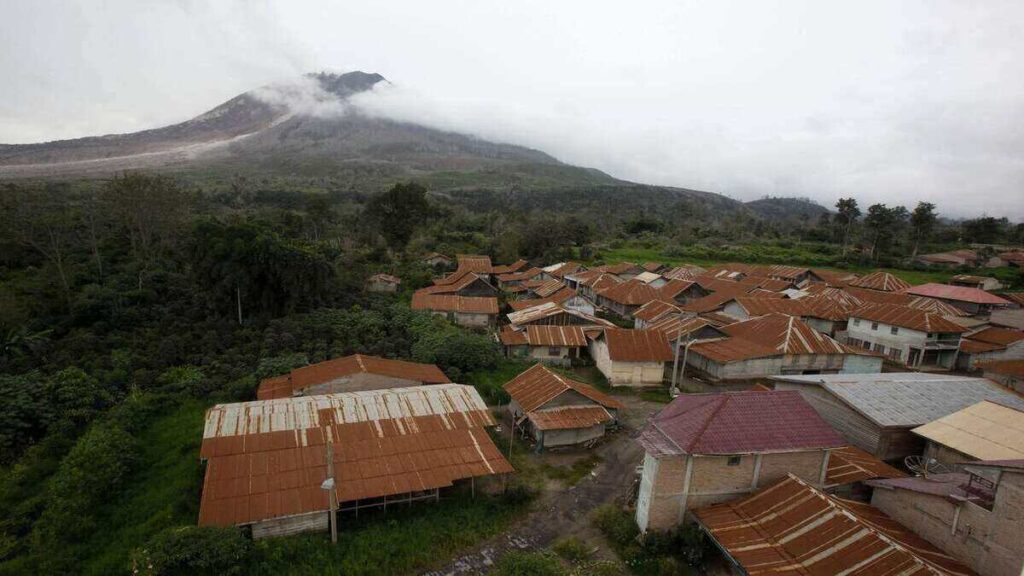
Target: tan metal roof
[(791, 527), (538, 385), (986, 431), (851, 464), (637, 345), (267, 459), (547, 310)]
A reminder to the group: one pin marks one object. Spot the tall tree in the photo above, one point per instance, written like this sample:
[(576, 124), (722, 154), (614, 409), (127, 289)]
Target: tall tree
[(922, 222), (884, 226), (847, 216), (398, 212), (151, 209)]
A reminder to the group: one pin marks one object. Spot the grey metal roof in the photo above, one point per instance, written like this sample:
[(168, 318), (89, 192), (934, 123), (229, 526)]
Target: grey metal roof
[(903, 399)]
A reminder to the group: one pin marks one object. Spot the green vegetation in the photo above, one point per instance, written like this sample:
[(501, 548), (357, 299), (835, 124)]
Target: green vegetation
[(671, 553), (571, 475), (571, 549)]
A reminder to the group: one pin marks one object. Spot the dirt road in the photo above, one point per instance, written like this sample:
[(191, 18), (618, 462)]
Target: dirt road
[(563, 512)]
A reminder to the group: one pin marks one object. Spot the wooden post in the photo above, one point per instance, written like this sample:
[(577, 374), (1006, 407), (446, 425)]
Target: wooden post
[(333, 492), (238, 296), (472, 486)]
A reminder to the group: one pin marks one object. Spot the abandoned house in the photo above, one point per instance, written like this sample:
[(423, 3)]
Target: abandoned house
[(267, 462), (905, 335), (353, 373), (631, 357), (550, 344), (973, 301), (708, 448), (556, 410), (466, 311), (989, 344), (877, 412), (383, 283)]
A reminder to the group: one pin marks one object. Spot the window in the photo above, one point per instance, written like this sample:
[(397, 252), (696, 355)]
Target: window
[(853, 341), (866, 345), (879, 348), (894, 330), (874, 325), (554, 351), (895, 353), (856, 321), (734, 460)]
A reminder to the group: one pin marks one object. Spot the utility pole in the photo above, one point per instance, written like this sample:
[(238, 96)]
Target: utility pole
[(675, 363), (330, 486), (238, 296)]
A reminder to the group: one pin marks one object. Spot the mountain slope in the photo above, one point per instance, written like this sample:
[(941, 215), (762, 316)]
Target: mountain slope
[(787, 209)]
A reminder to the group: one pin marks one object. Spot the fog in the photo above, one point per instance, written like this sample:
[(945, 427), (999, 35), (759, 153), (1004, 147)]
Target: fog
[(888, 101)]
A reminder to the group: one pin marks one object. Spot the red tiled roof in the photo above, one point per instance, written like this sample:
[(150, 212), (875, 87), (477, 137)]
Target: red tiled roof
[(881, 281), (630, 293), (738, 423), (957, 293), (791, 527), (329, 370), (450, 303), (906, 317), (637, 345), (538, 385)]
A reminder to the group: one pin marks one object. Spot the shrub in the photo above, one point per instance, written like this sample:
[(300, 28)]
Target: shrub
[(456, 352), (571, 549), (194, 551), (529, 564), (186, 380), (616, 524)]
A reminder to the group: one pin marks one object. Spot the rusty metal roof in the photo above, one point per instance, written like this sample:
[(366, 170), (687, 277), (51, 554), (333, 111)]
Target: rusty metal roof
[(474, 262), (675, 327), (549, 309), (513, 267), (569, 417), (761, 306), (1015, 297), (957, 293), (1013, 368), (738, 423), (453, 303), (936, 306), (557, 298), (538, 385), (785, 334), (881, 281), (544, 335), (625, 345), (674, 288), (685, 272), (850, 464), (731, 350), (834, 277), (968, 346), (329, 370), (906, 317), (993, 335), (791, 527), (655, 309), (867, 296), (267, 459), (631, 293), (520, 276), (456, 283)]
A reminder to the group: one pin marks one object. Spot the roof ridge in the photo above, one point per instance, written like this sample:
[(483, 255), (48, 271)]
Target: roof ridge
[(707, 421)]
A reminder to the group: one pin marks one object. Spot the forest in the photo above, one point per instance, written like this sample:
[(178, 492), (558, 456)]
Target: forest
[(128, 306)]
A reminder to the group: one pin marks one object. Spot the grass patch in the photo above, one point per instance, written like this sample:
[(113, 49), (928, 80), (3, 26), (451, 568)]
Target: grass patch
[(571, 475), (659, 395), (672, 552), (489, 382), (163, 492), (402, 541), (571, 549)]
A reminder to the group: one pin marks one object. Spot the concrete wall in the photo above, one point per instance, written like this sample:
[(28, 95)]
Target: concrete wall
[(569, 437), (987, 541), (945, 454), (468, 320), (739, 370), (380, 286), (635, 374), (856, 364), (358, 383), (903, 340), (665, 497)]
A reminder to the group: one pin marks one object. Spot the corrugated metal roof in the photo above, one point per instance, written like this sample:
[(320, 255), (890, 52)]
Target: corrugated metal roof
[(626, 345), (675, 327), (543, 335), (323, 372), (936, 307), (452, 303), (656, 309), (456, 283), (569, 417), (631, 293), (548, 309), (906, 317), (993, 335), (556, 298), (687, 272), (732, 350), (986, 431), (968, 346), (474, 262), (1015, 297), (866, 296), (907, 399), (520, 276), (538, 385), (1005, 367), (785, 334), (673, 288), (738, 423), (850, 464), (267, 459), (881, 281), (507, 268), (647, 277), (548, 288), (957, 293), (943, 485), (761, 306), (791, 527)]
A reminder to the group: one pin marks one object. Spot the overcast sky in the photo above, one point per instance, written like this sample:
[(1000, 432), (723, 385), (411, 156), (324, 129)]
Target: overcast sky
[(887, 101)]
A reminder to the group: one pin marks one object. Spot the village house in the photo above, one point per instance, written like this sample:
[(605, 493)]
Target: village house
[(626, 297), (1009, 373), (589, 282), (682, 291), (271, 464), (982, 431), (623, 270), (652, 279), (464, 283), (974, 515), (979, 282), (877, 412), (383, 283), (905, 335), (776, 344), (708, 448), (880, 282), (686, 272), (990, 344), (558, 411), (553, 314), (354, 373), (558, 345), (512, 279), (466, 311), (561, 269), (517, 266), (436, 260), (566, 298), (633, 358), (656, 267), (653, 311), (971, 300), (792, 526), (474, 263)]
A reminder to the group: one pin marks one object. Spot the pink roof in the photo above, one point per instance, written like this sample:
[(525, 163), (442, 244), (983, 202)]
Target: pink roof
[(737, 423), (958, 293)]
